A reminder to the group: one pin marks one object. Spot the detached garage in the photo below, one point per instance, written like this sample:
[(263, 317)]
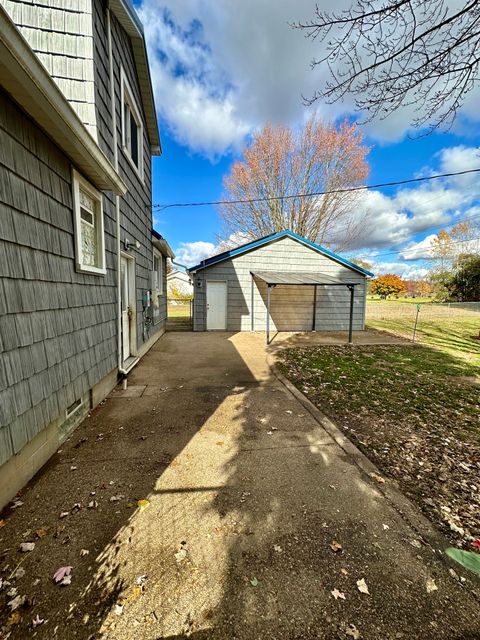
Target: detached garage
[(282, 282)]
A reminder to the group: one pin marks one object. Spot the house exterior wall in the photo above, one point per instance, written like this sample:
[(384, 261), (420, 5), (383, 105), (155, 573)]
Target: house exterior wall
[(135, 206), (61, 34), (59, 327), (291, 306)]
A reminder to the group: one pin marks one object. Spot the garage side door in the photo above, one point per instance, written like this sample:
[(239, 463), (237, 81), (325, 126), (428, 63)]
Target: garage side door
[(216, 305)]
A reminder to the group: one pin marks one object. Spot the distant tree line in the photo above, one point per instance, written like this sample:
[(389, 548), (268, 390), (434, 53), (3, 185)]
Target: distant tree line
[(454, 276)]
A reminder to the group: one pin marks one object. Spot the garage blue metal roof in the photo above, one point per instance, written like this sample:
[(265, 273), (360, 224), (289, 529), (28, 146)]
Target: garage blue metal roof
[(300, 278), (271, 238)]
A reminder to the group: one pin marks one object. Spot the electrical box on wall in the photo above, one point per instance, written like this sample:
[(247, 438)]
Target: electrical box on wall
[(147, 299)]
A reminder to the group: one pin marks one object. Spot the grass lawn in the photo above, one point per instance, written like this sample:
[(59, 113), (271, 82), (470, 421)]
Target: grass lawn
[(453, 336), (414, 410), (410, 300), (179, 313)]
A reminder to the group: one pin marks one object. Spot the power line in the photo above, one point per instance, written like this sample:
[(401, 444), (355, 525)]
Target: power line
[(311, 194), (396, 253)]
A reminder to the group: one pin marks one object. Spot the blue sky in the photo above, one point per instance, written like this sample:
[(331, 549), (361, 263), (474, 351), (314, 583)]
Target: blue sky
[(222, 70)]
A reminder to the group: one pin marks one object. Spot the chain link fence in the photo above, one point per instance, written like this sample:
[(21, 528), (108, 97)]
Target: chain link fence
[(391, 310)]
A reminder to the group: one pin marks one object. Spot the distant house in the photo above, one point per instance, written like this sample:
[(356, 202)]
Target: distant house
[(282, 282), (179, 282), (82, 274)]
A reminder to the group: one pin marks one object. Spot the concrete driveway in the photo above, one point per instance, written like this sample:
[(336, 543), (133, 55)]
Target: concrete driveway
[(258, 525)]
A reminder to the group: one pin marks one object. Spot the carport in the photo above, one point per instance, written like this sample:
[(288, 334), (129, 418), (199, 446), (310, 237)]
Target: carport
[(301, 279)]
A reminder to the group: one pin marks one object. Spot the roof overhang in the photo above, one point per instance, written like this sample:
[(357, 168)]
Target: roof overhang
[(300, 278), (162, 245), (24, 77), (128, 18)]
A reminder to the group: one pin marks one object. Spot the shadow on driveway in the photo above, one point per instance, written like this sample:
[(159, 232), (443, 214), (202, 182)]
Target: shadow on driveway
[(246, 494)]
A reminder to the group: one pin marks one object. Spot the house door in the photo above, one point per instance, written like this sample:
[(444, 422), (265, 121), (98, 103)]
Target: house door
[(216, 305), (125, 295)]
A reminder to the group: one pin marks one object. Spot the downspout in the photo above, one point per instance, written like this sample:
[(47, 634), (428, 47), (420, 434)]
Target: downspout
[(117, 197)]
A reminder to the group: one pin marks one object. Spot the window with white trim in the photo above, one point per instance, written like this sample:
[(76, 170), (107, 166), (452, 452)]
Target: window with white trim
[(88, 225), (132, 128), (157, 284), (157, 273)]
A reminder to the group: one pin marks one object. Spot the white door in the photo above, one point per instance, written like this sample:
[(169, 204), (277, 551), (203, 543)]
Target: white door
[(125, 300), (216, 305)]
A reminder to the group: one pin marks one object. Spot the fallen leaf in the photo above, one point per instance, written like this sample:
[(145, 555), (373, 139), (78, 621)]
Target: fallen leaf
[(352, 631), (42, 532), (25, 547), (254, 582), (36, 622), (19, 573), (84, 552), (338, 594), (2, 523), (62, 573), (335, 546), (430, 585), (181, 555), (14, 618), (378, 478), (143, 504), (66, 581), (17, 602), (476, 544), (362, 586)]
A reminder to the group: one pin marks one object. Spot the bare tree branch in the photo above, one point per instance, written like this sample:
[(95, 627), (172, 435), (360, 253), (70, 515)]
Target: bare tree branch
[(280, 162), (389, 54)]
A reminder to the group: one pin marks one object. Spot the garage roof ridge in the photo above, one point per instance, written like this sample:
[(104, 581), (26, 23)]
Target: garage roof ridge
[(277, 236)]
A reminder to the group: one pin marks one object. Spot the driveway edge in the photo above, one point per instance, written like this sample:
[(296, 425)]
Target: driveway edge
[(406, 509)]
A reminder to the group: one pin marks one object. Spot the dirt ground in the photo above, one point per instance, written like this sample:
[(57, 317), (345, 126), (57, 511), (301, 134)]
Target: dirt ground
[(213, 505)]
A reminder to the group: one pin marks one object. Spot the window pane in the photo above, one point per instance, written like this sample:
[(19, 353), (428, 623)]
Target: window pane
[(89, 244), (134, 139), (87, 216)]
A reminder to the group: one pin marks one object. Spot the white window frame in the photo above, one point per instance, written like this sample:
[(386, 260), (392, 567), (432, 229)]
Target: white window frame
[(79, 182), (128, 99), (157, 290)]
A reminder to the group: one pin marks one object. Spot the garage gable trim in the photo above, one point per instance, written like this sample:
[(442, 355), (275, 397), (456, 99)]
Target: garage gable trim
[(271, 238)]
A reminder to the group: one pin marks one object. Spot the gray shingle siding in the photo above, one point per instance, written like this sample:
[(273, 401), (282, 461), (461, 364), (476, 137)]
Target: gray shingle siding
[(49, 330), (291, 307), (58, 327)]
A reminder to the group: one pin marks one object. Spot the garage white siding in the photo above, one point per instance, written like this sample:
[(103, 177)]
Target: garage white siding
[(291, 306)]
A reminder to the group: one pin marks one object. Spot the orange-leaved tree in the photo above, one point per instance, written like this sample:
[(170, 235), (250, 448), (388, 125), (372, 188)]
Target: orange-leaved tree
[(267, 190), (388, 285)]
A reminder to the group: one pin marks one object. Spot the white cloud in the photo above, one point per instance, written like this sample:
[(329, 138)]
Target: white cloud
[(418, 250), (221, 70), (407, 271), (191, 253)]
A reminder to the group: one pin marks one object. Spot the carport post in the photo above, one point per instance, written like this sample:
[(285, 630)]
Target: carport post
[(252, 304), (314, 319), (350, 328), (268, 314)]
